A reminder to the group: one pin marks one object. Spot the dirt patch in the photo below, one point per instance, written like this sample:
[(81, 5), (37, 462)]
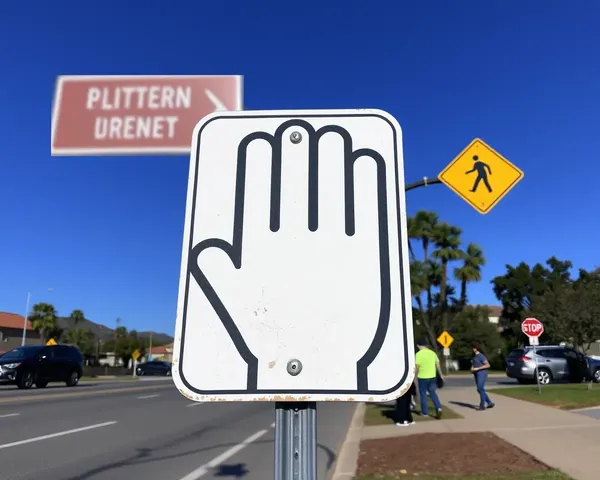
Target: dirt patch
[(444, 454)]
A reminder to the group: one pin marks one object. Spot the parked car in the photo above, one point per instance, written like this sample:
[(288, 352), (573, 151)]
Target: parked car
[(41, 364), (555, 363), (155, 367), (594, 369)]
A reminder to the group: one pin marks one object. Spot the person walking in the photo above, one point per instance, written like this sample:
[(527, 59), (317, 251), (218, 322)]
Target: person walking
[(480, 366), (428, 368), (403, 413)]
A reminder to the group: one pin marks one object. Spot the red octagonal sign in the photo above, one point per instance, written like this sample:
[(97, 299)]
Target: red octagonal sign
[(532, 327)]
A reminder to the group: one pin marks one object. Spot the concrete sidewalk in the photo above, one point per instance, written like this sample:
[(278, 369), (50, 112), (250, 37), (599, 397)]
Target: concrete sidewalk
[(566, 441)]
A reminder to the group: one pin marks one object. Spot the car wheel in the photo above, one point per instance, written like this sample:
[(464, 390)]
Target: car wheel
[(73, 379), (139, 372), (544, 376), (25, 380), (41, 384), (597, 375), (168, 373)]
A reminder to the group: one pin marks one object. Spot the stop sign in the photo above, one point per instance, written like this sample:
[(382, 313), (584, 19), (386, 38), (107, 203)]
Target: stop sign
[(532, 327)]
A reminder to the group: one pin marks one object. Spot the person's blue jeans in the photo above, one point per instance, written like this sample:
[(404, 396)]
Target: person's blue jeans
[(480, 380), (428, 386)]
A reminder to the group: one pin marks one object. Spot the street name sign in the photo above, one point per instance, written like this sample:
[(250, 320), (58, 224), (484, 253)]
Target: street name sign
[(480, 176), (136, 114), (294, 281), (532, 327)]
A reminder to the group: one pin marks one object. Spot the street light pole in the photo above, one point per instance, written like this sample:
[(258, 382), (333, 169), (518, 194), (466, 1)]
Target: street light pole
[(25, 320)]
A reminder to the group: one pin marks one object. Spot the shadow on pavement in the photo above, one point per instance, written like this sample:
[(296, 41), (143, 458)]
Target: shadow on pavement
[(463, 405), (238, 470), (13, 388), (145, 455)]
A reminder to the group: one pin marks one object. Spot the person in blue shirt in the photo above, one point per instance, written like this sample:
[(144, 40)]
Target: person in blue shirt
[(480, 367)]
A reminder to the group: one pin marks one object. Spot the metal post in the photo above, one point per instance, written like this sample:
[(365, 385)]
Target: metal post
[(25, 321), (295, 441), (537, 371)]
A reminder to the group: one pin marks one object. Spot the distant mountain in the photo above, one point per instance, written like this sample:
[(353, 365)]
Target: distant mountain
[(102, 332)]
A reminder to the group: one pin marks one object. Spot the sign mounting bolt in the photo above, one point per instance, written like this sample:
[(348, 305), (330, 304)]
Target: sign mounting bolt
[(296, 137), (294, 367)]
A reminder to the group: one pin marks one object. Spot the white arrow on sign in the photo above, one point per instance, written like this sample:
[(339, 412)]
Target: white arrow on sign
[(294, 277), (219, 105)]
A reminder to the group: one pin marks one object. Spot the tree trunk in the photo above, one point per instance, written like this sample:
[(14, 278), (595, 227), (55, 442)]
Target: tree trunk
[(443, 294), (463, 293)]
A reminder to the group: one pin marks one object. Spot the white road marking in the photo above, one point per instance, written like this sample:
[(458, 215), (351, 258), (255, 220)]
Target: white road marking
[(10, 415), (206, 468), (273, 425), (143, 397), (195, 404), (54, 435)]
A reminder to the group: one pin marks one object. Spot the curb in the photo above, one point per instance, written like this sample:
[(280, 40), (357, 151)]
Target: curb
[(346, 461)]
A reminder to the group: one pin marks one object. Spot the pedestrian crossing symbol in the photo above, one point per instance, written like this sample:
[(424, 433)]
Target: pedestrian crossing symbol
[(480, 176)]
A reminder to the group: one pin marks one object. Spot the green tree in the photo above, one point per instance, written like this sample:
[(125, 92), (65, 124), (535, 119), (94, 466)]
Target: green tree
[(472, 326), (447, 241), (519, 285), (470, 271), (77, 316), (43, 319), (83, 339), (570, 312), (432, 289)]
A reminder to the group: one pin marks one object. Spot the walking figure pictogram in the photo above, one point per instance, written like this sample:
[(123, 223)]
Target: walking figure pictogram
[(482, 175)]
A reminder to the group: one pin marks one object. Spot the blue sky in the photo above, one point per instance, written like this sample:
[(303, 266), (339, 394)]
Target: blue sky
[(106, 233)]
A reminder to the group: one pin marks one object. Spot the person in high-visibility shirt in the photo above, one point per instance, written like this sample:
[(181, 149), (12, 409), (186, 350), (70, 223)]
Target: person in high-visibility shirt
[(428, 367)]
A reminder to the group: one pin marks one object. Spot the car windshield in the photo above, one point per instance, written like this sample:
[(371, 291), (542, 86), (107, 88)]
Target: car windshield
[(20, 353)]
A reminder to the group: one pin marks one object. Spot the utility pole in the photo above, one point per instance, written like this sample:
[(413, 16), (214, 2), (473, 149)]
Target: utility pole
[(115, 347), (25, 320), (150, 348)]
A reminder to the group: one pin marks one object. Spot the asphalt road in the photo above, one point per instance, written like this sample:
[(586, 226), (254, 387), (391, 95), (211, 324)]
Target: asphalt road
[(144, 430)]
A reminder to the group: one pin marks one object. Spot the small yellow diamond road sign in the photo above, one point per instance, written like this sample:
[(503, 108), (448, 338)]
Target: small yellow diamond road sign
[(136, 354), (480, 176), (445, 339), (51, 342)]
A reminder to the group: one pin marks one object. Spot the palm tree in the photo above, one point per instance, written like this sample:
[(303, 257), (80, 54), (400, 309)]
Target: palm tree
[(420, 283), (470, 271), (421, 227), (446, 238), (77, 316), (43, 319), (82, 338)]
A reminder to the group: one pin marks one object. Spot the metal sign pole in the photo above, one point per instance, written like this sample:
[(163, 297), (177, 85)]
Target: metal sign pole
[(295, 441), (532, 342)]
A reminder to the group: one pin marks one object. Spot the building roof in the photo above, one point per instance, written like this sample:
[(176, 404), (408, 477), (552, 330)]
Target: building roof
[(495, 310), (162, 350), (13, 320)]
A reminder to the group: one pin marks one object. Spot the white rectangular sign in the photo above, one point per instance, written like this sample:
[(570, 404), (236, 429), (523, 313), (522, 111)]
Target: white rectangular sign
[(295, 280), (534, 341)]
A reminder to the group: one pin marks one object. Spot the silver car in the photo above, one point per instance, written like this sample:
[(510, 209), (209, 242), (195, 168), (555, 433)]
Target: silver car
[(555, 363)]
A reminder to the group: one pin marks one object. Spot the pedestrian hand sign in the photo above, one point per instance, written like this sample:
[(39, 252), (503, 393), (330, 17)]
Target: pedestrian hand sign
[(294, 278), (480, 176)]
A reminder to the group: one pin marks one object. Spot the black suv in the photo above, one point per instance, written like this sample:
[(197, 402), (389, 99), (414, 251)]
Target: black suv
[(155, 367), (40, 364)]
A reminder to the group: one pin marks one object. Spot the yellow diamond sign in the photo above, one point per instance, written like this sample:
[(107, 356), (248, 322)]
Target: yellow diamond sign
[(136, 354), (480, 176), (51, 342), (445, 339)]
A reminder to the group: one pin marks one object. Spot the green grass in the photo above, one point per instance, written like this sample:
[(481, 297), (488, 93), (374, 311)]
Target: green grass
[(566, 397), (124, 378), (540, 475), (379, 415)]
